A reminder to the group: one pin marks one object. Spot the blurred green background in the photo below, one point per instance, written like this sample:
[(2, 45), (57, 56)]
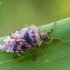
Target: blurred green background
[(14, 14)]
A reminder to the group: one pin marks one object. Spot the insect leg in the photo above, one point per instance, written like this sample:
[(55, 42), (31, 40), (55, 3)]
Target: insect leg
[(34, 56), (16, 56), (51, 28), (58, 39), (50, 40)]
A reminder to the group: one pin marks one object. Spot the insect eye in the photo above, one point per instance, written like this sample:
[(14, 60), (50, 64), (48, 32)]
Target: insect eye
[(45, 37)]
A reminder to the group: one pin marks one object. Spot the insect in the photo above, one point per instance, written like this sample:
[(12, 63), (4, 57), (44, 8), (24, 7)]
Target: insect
[(26, 38)]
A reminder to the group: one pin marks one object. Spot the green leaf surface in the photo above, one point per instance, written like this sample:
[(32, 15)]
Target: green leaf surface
[(54, 56)]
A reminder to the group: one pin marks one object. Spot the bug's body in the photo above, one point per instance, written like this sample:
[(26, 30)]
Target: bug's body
[(23, 39), (26, 38)]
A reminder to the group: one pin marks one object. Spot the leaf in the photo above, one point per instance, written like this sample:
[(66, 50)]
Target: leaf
[(54, 56)]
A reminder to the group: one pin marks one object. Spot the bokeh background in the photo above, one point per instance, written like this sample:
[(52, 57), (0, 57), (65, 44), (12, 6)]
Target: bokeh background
[(14, 14)]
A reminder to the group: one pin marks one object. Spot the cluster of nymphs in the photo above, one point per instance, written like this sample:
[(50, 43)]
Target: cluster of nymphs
[(23, 39)]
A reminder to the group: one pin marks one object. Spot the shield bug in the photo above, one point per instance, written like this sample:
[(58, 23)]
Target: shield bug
[(26, 38)]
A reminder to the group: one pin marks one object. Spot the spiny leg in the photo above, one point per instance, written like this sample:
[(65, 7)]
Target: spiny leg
[(58, 39), (50, 40), (51, 28), (39, 50), (34, 56), (16, 56)]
